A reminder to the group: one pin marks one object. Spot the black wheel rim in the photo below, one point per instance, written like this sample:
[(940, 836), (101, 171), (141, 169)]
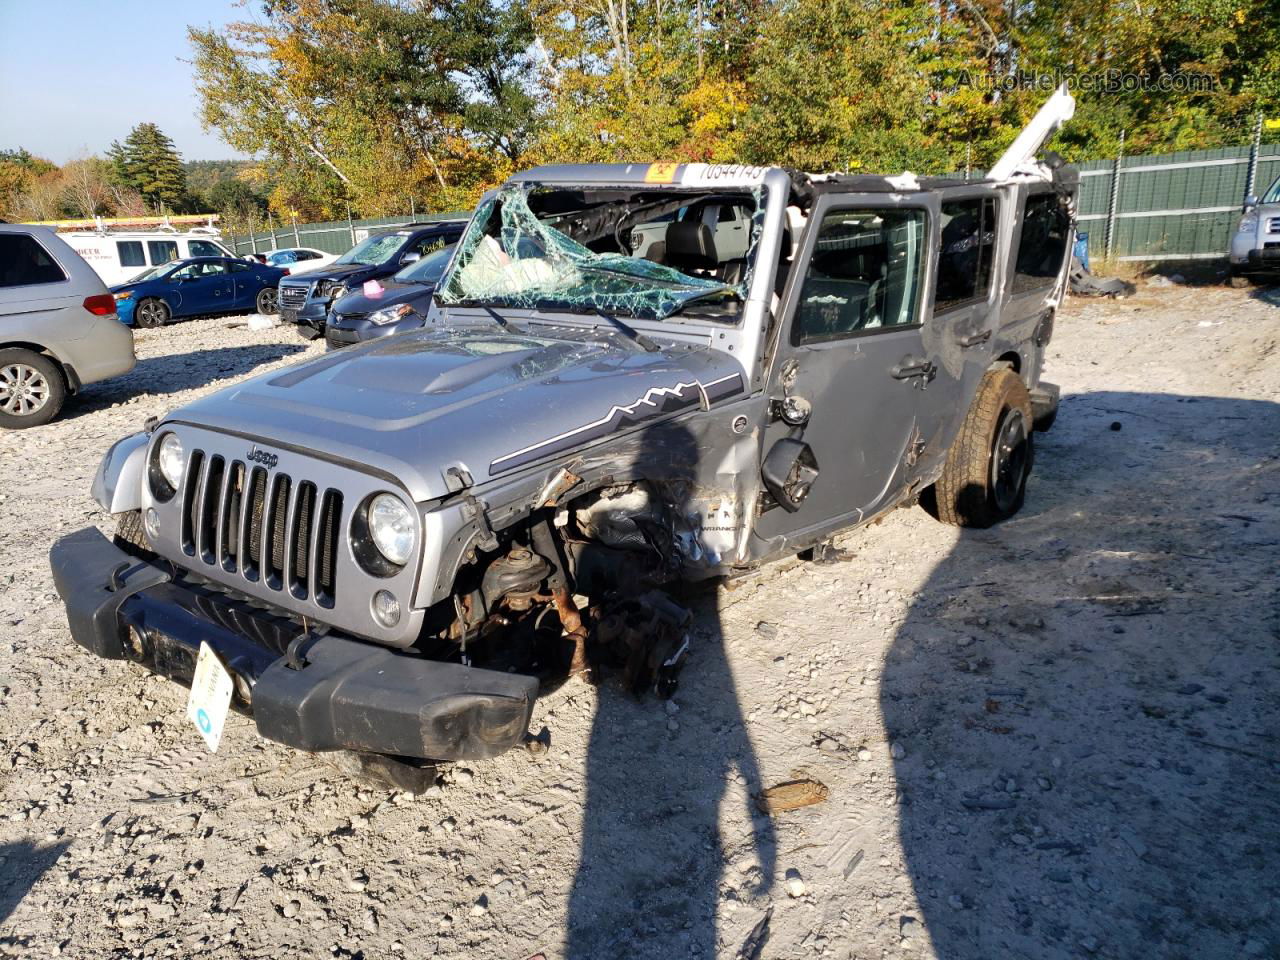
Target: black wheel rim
[(151, 314), (267, 301), (1010, 456)]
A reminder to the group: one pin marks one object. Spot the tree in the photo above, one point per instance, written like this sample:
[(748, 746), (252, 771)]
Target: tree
[(148, 162), (368, 101)]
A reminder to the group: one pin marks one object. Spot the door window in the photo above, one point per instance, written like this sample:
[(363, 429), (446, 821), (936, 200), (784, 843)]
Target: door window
[(1046, 231), (203, 248), (191, 271), (967, 254), (162, 251), (863, 274), (23, 261), (131, 253), (238, 266)]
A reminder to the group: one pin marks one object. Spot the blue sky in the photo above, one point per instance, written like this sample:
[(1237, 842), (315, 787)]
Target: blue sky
[(77, 74)]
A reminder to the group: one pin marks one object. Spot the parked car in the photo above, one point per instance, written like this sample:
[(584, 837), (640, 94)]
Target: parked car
[(379, 550), (1255, 246), (58, 326), (398, 304), (200, 285), (300, 259), (306, 300), (116, 257)]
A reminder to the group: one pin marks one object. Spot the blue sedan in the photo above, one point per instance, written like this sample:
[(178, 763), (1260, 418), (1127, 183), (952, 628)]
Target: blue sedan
[(185, 288)]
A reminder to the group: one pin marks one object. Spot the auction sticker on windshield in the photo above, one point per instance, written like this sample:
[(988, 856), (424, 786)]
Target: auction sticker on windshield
[(210, 696)]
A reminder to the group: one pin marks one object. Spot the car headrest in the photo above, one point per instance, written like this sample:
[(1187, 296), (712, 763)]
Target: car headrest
[(691, 243)]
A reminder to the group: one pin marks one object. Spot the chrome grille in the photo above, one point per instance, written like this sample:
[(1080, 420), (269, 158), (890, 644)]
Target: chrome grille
[(293, 295), (268, 528), (1273, 225)]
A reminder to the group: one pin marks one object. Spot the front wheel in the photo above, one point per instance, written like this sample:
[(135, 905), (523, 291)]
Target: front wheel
[(268, 301), (151, 313), (985, 476)]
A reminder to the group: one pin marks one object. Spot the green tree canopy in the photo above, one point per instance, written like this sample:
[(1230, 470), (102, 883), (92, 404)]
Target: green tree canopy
[(148, 162)]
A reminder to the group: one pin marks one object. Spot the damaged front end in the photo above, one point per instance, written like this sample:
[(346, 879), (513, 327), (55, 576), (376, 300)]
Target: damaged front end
[(555, 473)]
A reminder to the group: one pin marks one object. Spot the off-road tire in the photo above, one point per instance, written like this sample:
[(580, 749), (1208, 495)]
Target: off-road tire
[(130, 537), (28, 377), (965, 494), (148, 318)]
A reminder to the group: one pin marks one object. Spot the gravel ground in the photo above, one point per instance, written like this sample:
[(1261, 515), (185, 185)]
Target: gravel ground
[(1057, 738)]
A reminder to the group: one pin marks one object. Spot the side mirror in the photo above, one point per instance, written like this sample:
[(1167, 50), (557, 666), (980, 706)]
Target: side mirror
[(789, 471), (409, 258), (1250, 202)]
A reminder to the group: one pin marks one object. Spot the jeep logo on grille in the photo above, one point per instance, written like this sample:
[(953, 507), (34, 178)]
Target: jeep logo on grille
[(256, 455)]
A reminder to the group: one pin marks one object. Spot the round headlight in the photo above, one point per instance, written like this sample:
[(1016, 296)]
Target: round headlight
[(391, 527), (170, 460)]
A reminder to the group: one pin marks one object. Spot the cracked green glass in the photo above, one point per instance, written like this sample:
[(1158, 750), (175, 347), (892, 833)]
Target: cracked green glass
[(529, 264)]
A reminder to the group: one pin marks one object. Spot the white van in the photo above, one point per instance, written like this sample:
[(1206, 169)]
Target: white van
[(118, 257)]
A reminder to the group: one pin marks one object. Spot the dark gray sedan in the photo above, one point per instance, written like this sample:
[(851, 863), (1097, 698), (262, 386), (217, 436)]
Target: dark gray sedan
[(401, 303)]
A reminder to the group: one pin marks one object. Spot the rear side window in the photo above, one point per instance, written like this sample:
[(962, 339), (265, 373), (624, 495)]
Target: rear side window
[(1046, 231), (131, 253), (23, 262), (967, 254), (238, 265), (863, 274), (162, 251), (203, 248)]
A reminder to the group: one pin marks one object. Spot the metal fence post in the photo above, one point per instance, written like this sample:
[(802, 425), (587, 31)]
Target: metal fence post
[(253, 236), (1251, 174), (351, 227), (1113, 202), (294, 214)]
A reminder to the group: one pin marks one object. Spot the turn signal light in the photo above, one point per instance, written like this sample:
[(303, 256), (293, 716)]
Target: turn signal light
[(100, 305)]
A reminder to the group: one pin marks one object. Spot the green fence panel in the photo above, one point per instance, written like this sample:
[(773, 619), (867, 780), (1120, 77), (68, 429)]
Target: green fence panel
[(1168, 205)]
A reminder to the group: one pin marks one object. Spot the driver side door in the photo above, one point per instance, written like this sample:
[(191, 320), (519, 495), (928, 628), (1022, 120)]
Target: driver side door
[(204, 287), (850, 365)]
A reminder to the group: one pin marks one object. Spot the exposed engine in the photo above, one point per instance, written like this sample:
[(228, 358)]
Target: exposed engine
[(571, 590)]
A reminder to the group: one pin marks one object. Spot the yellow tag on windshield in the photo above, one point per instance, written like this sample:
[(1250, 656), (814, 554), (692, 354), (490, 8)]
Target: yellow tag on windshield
[(661, 173)]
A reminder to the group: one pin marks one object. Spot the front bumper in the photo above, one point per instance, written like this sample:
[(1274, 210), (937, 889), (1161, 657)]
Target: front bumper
[(313, 313), (304, 690), (1267, 259), (347, 332)]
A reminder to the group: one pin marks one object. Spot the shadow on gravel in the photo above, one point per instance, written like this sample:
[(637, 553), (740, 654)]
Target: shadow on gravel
[(21, 865), (1089, 697), (653, 855), (1268, 293), (177, 372)]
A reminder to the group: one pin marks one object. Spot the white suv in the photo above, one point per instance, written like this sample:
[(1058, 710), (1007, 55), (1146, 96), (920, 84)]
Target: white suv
[(58, 326), (1255, 246)]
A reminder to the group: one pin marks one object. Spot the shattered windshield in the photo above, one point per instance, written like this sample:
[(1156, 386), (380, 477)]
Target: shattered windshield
[(374, 250), (632, 252)]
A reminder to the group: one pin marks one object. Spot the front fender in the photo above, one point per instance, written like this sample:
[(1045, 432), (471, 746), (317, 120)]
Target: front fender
[(117, 486)]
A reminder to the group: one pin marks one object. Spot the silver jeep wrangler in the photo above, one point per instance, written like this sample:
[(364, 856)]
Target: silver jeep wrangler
[(391, 548)]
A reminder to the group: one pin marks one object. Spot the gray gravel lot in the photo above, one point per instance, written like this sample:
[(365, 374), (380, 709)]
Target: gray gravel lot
[(1057, 738)]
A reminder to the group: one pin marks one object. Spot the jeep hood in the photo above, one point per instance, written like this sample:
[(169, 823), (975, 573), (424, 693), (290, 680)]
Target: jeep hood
[(480, 398)]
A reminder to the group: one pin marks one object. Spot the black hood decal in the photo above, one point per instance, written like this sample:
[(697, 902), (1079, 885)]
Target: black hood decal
[(657, 403)]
